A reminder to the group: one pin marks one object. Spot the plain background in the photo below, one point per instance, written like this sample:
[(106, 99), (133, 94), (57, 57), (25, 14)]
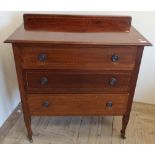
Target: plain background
[(9, 94)]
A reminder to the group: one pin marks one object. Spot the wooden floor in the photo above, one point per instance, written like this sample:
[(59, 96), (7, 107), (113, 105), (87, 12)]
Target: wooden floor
[(141, 128)]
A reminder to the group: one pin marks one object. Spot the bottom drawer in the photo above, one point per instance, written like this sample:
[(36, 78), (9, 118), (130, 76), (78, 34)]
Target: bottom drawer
[(77, 104)]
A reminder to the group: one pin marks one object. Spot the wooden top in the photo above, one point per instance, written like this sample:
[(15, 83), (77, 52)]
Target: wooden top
[(85, 30)]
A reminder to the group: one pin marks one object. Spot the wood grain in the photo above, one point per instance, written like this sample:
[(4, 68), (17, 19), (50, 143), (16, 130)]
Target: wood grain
[(83, 58), (27, 116), (77, 104), (77, 65), (132, 38), (75, 81), (81, 130), (76, 23), (132, 89), (4, 130)]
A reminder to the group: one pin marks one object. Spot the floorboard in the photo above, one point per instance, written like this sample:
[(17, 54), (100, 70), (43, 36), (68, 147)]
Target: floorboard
[(82, 130)]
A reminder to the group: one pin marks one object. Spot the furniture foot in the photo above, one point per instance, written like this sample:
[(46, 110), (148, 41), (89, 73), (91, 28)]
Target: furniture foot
[(28, 127), (30, 138), (123, 134)]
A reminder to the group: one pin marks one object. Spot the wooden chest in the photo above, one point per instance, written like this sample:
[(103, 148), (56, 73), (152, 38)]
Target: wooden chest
[(77, 65)]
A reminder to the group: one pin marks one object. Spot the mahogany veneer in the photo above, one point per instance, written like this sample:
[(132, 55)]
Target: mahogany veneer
[(77, 81), (71, 23), (77, 104), (77, 65), (82, 58)]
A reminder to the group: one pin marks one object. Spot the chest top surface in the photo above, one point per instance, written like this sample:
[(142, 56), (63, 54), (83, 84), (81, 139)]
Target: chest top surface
[(77, 29)]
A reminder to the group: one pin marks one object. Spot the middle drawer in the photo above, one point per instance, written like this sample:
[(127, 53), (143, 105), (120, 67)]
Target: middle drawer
[(64, 82)]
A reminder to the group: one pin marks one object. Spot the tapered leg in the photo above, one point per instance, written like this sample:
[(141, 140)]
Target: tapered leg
[(125, 121), (29, 130), (27, 120), (19, 69), (28, 127)]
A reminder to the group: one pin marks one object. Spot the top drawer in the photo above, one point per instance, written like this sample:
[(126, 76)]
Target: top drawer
[(83, 58)]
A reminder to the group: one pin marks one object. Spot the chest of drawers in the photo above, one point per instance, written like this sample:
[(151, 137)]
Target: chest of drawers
[(77, 65)]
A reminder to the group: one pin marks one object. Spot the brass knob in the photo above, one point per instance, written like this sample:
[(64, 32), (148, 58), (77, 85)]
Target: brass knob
[(44, 80), (109, 104), (46, 104), (112, 81), (115, 58), (42, 57)]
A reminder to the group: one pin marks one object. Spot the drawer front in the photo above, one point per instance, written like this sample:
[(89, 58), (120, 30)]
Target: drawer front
[(61, 82), (107, 58), (77, 104)]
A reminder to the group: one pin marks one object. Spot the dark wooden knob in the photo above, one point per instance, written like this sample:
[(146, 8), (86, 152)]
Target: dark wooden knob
[(112, 81), (44, 80), (109, 104), (42, 57), (115, 58), (46, 104)]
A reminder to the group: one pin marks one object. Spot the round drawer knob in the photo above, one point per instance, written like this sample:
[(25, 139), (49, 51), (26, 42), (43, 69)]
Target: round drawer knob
[(44, 81), (112, 81), (109, 104), (46, 104), (42, 57), (115, 58)]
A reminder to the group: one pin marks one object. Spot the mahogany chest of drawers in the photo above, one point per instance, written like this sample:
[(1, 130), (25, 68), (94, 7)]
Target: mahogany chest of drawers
[(77, 65)]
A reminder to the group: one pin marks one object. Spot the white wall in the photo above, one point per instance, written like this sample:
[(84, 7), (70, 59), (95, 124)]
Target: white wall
[(9, 94)]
